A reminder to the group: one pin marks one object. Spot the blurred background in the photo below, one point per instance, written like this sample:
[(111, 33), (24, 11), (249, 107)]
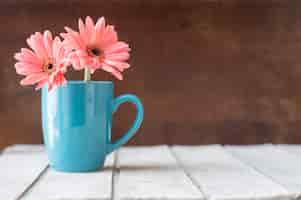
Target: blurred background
[(220, 71)]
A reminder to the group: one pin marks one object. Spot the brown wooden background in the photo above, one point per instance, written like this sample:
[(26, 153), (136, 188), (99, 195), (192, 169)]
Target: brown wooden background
[(219, 71)]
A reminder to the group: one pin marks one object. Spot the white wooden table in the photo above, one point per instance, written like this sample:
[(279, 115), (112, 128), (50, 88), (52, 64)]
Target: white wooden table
[(159, 172)]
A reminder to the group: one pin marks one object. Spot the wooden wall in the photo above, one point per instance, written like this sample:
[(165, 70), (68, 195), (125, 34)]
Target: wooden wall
[(206, 71)]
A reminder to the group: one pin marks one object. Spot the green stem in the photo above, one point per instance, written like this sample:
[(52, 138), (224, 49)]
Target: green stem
[(87, 75)]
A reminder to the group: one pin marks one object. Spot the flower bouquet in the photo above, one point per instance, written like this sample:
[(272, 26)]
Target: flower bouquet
[(77, 115)]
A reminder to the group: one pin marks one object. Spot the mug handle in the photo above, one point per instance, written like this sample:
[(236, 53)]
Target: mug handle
[(138, 120)]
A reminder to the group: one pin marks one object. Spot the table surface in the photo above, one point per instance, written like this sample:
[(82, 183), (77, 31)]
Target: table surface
[(159, 172)]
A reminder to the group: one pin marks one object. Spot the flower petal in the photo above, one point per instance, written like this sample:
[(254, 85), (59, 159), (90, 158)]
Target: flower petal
[(55, 80), (36, 43), (23, 57), (109, 37), (73, 40), (89, 26), (117, 47), (112, 70), (26, 68), (47, 38), (28, 52), (118, 56), (98, 33), (33, 78), (28, 65), (76, 37), (76, 64), (82, 31), (58, 50), (121, 66), (41, 84)]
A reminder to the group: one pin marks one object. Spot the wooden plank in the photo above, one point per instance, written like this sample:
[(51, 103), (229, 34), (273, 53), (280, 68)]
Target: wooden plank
[(24, 148), (221, 176), (282, 167), (59, 185), (18, 172), (294, 149), (152, 173)]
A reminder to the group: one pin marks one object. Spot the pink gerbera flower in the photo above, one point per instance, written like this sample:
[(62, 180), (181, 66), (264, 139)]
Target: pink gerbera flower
[(96, 46), (45, 64)]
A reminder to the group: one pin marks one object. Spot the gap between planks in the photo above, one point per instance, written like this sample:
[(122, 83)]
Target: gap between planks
[(151, 173), (181, 166), (284, 173), (220, 174), (59, 185), (234, 156), (42, 175), (33, 183), (116, 174), (115, 177), (28, 174)]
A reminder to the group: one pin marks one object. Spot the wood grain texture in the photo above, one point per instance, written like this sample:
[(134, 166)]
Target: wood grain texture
[(18, 171), (155, 172), (220, 176), (81, 186), (207, 71), (152, 173), (279, 165)]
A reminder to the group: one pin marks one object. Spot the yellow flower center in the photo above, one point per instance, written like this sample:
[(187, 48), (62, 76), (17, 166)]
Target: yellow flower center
[(49, 67)]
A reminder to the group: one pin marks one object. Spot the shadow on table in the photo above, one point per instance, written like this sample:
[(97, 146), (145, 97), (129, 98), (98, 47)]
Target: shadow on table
[(203, 167)]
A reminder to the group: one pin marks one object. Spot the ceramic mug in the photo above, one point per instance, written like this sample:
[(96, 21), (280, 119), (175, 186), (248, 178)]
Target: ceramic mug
[(77, 120)]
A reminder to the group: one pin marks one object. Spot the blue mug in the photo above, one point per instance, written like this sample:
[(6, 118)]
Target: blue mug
[(77, 120)]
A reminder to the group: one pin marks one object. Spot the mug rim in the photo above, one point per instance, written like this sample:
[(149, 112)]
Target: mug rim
[(88, 82)]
